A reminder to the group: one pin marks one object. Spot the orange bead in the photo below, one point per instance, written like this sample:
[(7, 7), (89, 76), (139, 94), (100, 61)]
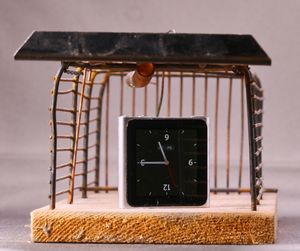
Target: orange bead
[(141, 76)]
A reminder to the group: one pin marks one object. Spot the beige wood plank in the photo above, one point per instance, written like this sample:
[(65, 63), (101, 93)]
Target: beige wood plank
[(228, 220)]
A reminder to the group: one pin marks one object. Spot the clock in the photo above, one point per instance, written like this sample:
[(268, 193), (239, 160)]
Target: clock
[(163, 162)]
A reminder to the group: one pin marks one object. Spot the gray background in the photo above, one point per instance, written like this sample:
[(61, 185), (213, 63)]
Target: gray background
[(25, 87)]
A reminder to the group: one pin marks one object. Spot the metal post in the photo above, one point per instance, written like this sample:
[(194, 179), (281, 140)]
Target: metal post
[(86, 136), (251, 132), (98, 133)]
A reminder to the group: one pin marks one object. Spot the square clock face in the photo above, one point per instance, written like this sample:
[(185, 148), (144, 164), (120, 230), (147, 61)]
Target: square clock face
[(167, 162)]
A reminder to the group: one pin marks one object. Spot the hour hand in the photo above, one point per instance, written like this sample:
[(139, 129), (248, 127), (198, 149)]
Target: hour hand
[(163, 154)]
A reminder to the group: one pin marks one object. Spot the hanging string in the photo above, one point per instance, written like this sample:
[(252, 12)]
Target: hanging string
[(161, 94)]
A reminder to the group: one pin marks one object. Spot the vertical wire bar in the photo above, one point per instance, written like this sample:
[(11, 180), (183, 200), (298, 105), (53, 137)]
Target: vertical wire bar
[(145, 100), (156, 92), (74, 118), (258, 105), (54, 138), (86, 133), (242, 135), (106, 133), (216, 133), (228, 133), (205, 94), (122, 95), (193, 94), (71, 189), (251, 133), (133, 101), (181, 94), (98, 134), (261, 120), (258, 144), (169, 96)]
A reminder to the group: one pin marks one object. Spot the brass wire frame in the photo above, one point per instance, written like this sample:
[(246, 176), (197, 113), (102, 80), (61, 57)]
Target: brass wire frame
[(85, 75)]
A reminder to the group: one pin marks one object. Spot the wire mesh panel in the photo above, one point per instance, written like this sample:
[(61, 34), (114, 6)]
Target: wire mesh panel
[(255, 99), (75, 123), (88, 100)]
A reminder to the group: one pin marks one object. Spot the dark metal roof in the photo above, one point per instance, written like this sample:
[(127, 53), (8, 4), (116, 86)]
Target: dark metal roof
[(143, 47)]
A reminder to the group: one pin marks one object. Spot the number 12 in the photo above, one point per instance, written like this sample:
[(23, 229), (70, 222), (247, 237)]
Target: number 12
[(166, 187)]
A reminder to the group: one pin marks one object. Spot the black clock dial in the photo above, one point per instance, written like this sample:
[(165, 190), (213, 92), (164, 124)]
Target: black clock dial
[(167, 162)]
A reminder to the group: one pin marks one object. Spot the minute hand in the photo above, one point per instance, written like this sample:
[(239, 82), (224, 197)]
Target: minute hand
[(163, 154), (152, 162)]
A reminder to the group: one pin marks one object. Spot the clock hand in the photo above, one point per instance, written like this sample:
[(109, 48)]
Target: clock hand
[(171, 176), (163, 154), (168, 166), (142, 162)]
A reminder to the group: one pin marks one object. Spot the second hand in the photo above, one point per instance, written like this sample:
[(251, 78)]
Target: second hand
[(167, 163)]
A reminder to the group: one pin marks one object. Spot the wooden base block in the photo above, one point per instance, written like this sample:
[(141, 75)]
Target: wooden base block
[(98, 219)]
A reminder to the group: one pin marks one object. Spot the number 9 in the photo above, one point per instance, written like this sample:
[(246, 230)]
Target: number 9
[(167, 137)]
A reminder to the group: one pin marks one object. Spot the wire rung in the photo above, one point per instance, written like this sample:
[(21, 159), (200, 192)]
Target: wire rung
[(258, 182), (93, 132), (82, 136), (81, 149), (63, 178), (81, 162), (259, 151), (65, 92), (258, 112), (64, 149), (101, 188), (259, 138), (64, 137), (91, 183), (84, 96), (63, 165), (258, 97), (259, 167), (66, 80), (91, 146), (257, 87), (257, 125), (260, 194), (59, 109), (94, 108), (62, 192), (65, 123), (93, 120), (92, 158)]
